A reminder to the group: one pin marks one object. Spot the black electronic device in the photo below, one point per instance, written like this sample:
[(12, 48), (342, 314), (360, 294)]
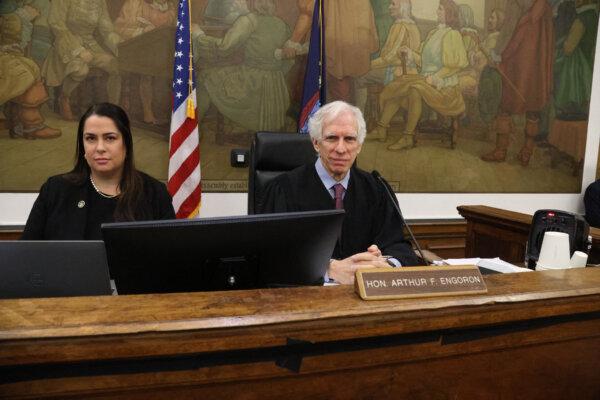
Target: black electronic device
[(53, 268), (239, 158), (240, 252), (556, 221)]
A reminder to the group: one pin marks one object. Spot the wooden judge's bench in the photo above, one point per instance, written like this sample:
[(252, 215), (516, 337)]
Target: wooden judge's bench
[(494, 232), (532, 336)]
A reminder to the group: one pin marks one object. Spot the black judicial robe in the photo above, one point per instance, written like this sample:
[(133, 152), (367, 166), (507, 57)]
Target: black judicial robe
[(370, 217)]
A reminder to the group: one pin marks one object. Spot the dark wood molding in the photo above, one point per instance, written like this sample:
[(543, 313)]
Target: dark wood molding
[(444, 237), (493, 232), (11, 232)]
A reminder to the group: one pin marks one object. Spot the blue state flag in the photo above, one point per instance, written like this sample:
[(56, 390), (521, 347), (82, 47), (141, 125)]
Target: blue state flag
[(313, 93)]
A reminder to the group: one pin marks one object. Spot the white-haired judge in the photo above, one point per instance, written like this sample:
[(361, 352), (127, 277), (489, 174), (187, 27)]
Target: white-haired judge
[(372, 230)]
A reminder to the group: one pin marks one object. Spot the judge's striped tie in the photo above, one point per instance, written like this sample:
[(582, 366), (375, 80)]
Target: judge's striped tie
[(339, 190)]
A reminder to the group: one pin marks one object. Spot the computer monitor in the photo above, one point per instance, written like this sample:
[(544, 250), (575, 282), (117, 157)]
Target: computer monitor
[(49, 268), (241, 252)]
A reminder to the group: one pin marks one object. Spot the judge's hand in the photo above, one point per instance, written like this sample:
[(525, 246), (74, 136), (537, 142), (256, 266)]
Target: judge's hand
[(373, 249), (342, 271)]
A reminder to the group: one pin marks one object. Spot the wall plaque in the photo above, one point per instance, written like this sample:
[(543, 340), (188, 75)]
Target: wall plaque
[(398, 283)]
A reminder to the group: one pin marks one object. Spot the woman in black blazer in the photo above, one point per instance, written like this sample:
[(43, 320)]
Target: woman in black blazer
[(104, 185)]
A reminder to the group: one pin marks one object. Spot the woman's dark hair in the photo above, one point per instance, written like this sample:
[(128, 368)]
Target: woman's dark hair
[(132, 185)]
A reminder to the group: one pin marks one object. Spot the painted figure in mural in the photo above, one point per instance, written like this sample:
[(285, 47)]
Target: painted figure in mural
[(76, 24), (21, 88), (576, 26), (224, 12), (137, 17), (468, 78), (254, 94), (490, 81), (524, 52), (383, 20), (494, 23), (468, 30), (350, 40), (441, 57), (41, 36), (389, 64)]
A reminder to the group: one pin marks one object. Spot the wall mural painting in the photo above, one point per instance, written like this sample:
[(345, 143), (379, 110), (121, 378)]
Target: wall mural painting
[(468, 96)]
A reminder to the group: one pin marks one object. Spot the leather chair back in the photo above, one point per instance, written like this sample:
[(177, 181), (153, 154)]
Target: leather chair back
[(271, 154)]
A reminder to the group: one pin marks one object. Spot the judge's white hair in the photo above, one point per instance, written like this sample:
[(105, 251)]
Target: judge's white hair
[(331, 111)]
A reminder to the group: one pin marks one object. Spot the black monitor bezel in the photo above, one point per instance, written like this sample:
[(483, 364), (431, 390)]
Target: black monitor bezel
[(214, 271)]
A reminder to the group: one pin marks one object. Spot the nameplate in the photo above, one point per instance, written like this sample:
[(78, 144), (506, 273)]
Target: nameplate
[(406, 282)]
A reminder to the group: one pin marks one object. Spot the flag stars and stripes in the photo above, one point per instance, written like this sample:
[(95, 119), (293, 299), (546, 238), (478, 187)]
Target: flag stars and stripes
[(184, 151)]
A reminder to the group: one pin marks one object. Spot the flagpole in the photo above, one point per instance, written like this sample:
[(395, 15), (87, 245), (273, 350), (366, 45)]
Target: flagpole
[(191, 108), (321, 46), (322, 50)]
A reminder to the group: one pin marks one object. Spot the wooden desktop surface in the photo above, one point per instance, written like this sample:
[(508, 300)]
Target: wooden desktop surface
[(533, 335)]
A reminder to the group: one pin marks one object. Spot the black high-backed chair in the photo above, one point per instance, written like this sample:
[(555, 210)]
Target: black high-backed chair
[(271, 154)]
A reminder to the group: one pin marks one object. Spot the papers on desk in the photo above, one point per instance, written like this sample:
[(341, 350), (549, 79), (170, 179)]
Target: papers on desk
[(494, 264)]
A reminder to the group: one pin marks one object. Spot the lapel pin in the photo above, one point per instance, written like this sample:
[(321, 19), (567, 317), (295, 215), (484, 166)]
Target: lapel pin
[(81, 204)]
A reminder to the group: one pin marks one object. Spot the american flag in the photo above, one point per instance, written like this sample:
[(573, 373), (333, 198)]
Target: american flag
[(184, 145)]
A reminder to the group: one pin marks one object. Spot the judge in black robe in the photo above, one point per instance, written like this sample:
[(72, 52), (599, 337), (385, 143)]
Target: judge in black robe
[(370, 216), (371, 229)]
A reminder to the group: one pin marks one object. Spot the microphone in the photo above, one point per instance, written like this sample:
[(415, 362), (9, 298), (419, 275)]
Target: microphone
[(392, 197)]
